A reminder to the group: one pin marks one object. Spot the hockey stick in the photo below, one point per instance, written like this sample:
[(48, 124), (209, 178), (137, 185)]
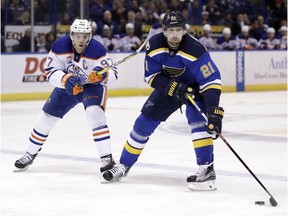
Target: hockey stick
[(272, 200), (124, 59)]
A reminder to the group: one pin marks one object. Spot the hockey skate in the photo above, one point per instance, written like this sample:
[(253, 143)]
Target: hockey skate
[(203, 179), (116, 173), (24, 162), (107, 163)]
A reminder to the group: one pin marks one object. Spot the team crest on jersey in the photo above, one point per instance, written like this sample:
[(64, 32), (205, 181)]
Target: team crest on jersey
[(172, 71)]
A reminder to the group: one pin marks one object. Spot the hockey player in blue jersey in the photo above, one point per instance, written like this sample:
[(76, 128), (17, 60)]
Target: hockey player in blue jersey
[(73, 61), (177, 64)]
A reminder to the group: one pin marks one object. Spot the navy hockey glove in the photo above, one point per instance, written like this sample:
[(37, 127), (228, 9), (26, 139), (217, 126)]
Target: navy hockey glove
[(72, 84), (98, 75), (179, 90), (214, 115)]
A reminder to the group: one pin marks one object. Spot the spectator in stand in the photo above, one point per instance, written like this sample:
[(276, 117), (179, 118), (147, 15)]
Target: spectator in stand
[(150, 19), (135, 6), (40, 13), (94, 33), (111, 43), (107, 20), (139, 18), (245, 40), (269, 41), (50, 38), (98, 8), (119, 12), (214, 12), (41, 9), (283, 37), (185, 13), (66, 19), (227, 20), (131, 18), (195, 13), (152, 9), (205, 18), (246, 19), (175, 5), (206, 39), (259, 28), (129, 42), (163, 7), (143, 8), (16, 8), (226, 6), (41, 45), (279, 12), (25, 41), (157, 27), (227, 41), (24, 19), (237, 25)]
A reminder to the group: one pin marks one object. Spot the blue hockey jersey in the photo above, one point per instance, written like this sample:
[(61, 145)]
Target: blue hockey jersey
[(190, 63)]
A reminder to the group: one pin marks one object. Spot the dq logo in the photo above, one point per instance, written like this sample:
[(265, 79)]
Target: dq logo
[(33, 65)]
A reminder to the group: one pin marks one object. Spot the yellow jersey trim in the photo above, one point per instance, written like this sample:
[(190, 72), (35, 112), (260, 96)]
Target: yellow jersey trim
[(213, 86), (203, 142), (132, 150)]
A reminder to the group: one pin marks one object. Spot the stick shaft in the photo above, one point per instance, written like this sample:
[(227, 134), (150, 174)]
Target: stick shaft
[(229, 146), (122, 60)]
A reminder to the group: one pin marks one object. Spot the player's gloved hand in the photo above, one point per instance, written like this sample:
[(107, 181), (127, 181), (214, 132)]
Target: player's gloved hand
[(98, 75), (72, 84), (214, 115), (179, 90)]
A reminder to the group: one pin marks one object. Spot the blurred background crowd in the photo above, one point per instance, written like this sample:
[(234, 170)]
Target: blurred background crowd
[(122, 25)]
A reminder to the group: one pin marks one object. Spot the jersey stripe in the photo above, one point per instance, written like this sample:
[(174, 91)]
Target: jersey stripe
[(186, 56), (158, 51)]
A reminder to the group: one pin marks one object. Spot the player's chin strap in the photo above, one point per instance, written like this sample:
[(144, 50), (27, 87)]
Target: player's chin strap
[(272, 199), (124, 59)]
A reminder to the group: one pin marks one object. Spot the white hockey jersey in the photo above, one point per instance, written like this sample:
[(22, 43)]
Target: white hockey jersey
[(270, 44), (208, 42), (63, 54), (128, 43), (247, 43)]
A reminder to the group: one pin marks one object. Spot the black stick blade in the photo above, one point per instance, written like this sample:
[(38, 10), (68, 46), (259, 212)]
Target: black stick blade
[(273, 201)]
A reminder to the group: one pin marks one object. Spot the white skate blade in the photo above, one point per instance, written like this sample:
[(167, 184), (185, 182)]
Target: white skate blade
[(20, 170), (202, 186)]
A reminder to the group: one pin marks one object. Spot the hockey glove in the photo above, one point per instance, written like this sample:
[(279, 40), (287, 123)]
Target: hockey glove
[(98, 75), (214, 115), (72, 84), (179, 90)]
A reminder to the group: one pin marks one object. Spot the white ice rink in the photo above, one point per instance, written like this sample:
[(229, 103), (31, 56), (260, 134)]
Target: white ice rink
[(65, 180)]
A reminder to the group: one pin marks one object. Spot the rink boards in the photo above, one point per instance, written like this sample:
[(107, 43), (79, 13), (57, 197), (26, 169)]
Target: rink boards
[(22, 75)]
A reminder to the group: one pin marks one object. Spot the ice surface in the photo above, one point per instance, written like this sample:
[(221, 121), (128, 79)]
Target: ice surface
[(65, 180)]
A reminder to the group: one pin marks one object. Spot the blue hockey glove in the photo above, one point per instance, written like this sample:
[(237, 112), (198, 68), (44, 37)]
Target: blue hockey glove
[(215, 116), (98, 75), (72, 84), (179, 90)]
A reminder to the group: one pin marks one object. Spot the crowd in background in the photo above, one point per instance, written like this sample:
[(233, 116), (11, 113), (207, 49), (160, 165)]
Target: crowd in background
[(119, 24)]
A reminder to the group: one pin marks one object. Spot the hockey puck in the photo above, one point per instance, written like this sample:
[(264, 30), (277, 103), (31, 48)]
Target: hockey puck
[(259, 203)]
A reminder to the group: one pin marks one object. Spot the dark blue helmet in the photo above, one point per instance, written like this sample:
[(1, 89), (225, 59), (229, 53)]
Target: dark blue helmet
[(173, 19)]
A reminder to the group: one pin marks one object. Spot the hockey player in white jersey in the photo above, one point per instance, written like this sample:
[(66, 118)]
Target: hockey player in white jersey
[(227, 41), (72, 67), (129, 42), (206, 39)]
